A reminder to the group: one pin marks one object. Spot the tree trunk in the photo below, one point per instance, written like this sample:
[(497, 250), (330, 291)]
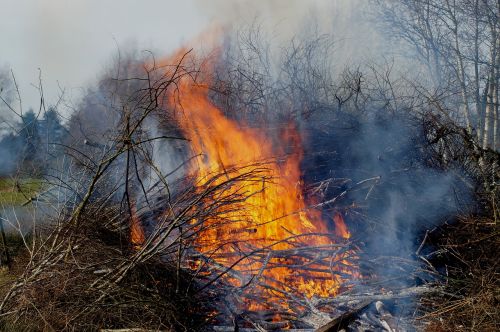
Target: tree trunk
[(495, 96), (495, 122), (477, 88), (488, 113), (491, 90), (461, 78)]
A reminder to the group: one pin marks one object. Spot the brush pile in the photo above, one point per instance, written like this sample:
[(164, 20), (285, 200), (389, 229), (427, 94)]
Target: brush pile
[(135, 244)]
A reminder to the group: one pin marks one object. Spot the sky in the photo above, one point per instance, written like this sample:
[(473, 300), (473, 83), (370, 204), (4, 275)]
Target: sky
[(70, 41)]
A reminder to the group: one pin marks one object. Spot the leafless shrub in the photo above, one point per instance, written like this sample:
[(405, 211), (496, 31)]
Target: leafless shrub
[(82, 272)]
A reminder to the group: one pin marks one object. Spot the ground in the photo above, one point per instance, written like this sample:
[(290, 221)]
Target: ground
[(16, 192)]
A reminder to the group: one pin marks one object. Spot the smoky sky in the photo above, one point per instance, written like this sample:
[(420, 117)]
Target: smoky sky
[(70, 42)]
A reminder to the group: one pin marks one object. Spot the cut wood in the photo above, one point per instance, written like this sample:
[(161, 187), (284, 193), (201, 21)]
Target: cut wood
[(343, 320)]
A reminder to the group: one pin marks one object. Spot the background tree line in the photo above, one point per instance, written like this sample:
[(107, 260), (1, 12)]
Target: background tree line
[(34, 143), (458, 41)]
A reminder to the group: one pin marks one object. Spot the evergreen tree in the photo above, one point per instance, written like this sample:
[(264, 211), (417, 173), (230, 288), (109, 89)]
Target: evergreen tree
[(52, 133), (29, 137)]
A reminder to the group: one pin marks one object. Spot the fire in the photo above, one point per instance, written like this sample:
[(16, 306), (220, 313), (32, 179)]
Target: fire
[(136, 232), (274, 216), (340, 226)]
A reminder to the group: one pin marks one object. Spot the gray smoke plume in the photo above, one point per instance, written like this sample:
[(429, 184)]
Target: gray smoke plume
[(324, 65), (349, 22)]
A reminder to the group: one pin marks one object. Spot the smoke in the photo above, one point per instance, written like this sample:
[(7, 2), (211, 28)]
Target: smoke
[(167, 154), (8, 151), (357, 142), (404, 195), (350, 23), (9, 147), (7, 117)]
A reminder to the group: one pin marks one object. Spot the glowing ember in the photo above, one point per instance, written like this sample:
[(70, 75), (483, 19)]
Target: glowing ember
[(274, 216)]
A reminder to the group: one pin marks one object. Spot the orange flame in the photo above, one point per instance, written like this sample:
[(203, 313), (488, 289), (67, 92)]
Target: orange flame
[(340, 226), (275, 214), (136, 231)]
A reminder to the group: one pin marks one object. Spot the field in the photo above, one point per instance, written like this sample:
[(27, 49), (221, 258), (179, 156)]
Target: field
[(16, 192)]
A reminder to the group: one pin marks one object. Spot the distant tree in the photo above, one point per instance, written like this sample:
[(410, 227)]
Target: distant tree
[(52, 133), (9, 153), (35, 145), (29, 141)]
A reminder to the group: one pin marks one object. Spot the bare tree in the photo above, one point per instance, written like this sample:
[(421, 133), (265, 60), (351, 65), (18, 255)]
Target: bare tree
[(458, 40), (7, 86)]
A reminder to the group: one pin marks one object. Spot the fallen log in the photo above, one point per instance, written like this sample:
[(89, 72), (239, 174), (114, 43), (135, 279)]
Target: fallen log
[(344, 319)]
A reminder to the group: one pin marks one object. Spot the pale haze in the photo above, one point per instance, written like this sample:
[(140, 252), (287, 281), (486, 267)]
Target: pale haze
[(70, 42)]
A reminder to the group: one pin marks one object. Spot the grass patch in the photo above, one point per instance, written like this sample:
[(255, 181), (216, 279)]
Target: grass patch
[(18, 191), (472, 289)]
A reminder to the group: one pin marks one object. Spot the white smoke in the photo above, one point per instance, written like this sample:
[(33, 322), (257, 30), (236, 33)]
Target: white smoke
[(349, 22)]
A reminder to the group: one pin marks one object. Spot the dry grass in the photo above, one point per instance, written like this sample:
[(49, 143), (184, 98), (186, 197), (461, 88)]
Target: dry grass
[(472, 279), (63, 294)]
